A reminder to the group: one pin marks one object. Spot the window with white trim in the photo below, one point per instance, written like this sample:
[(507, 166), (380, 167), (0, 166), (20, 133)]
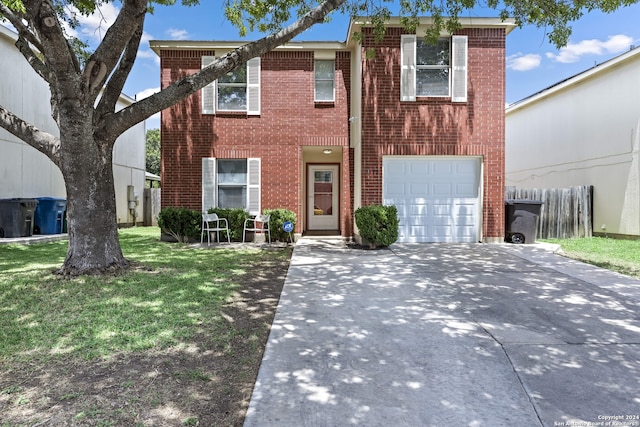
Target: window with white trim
[(324, 80), (231, 183), (236, 91), (432, 68), (429, 70), (232, 90)]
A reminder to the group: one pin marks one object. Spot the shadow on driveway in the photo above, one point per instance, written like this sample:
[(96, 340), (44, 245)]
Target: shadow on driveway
[(449, 334)]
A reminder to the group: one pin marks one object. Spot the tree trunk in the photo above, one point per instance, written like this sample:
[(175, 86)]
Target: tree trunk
[(87, 168)]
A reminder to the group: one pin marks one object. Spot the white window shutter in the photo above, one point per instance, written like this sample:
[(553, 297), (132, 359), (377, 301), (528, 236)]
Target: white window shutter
[(208, 92), (253, 186), (459, 69), (253, 86), (209, 193), (408, 67)]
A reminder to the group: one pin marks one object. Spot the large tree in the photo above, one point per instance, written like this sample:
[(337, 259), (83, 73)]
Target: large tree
[(85, 87)]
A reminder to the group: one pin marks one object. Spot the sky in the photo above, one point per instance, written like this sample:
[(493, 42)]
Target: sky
[(533, 64)]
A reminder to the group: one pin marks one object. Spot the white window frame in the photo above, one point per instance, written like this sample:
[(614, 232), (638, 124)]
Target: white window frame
[(434, 67), (332, 80), (210, 184), (457, 65), (210, 92)]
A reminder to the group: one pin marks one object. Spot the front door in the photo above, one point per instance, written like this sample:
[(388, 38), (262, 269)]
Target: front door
[(322, 197)]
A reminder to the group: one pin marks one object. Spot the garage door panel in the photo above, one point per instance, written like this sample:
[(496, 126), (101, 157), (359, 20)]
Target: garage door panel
[(466, 190), (437, 198), (396, 190), (441, 233), (442, 168), (442, 189), (420, 189), (397, 169), (419, 168)]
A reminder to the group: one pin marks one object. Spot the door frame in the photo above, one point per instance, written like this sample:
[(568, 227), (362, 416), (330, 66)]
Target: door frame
[(336, 187)]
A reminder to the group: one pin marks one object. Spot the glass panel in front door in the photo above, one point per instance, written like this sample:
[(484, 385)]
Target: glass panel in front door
[(322, 192)]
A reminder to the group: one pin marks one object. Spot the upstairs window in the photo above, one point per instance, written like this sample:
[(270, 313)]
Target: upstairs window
[(433, 70), (236, 91), (232, 90), (324, 81)]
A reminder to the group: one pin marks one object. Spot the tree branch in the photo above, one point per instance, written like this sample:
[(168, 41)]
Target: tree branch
[(17, 22), (53, 44), (44, 142), (116, 40), (38, 66), (116, 83), (26, 39), (180, 89)]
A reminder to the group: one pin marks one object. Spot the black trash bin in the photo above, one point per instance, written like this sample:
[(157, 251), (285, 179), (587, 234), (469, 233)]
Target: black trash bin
[(16, 217), (521, 220), (49, 216)]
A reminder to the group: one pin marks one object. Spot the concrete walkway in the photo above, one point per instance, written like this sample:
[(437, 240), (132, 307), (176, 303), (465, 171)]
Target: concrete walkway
[(449, 335)]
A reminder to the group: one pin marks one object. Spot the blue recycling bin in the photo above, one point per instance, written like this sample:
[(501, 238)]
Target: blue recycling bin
[(16, 217), (49, 215)]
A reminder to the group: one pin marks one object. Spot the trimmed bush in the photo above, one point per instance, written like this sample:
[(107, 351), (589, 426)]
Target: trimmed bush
[(378, 225), (235, 217), (278, 218), (180, 223)]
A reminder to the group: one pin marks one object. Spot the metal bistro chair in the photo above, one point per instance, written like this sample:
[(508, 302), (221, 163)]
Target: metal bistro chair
[(210, 224), (260, 225)]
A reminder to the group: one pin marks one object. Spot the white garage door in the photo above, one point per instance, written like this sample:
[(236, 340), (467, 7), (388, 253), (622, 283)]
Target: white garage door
[(438, 198)]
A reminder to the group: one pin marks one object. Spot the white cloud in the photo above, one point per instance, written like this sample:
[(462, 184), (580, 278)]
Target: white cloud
[(522, 62), (572, 52), (176, 34), (149, 54), (146, 93), (94, 26)]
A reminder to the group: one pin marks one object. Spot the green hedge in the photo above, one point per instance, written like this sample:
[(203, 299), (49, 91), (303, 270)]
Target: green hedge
[(180, 223), (235, 217), (378, 225), (277, 219), (185, 224)]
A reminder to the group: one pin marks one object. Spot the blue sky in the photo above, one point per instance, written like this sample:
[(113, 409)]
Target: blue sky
[(532, 62)]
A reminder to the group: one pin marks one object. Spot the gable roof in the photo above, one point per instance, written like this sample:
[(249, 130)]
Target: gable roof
[(594, 72)]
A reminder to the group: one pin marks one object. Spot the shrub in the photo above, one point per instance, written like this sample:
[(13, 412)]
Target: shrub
[(235, 217), (378, 225), (181, 223), (277, 219)]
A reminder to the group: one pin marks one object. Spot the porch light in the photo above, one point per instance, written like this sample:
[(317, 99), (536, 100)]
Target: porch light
[(327, 151)]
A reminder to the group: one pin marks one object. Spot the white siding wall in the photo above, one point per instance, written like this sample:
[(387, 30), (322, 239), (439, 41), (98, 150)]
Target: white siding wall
[(585, 133), (24, 171)]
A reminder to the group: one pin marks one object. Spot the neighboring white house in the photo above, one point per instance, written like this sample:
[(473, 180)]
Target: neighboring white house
[(27, 173), (583, 131)]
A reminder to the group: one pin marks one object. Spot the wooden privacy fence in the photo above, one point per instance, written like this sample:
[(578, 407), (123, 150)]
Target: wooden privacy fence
[(565, 213), (151, 208)]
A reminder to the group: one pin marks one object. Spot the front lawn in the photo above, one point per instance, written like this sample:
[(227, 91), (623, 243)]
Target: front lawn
[(176, 341), (622, 256)]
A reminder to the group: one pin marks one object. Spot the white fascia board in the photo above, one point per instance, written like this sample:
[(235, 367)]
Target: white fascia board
[(159, 45)]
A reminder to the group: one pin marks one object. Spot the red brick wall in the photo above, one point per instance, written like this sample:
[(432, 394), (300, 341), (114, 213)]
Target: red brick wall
[(289, 120), (437, 126)]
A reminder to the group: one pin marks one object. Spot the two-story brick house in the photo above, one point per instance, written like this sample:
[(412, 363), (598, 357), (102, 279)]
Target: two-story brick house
[(322, 128)]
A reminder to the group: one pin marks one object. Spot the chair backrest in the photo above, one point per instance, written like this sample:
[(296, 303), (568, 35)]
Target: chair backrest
[(263, 218), (209, 217)]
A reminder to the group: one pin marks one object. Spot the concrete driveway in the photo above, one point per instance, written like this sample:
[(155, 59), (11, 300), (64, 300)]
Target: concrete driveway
[(449, 335)]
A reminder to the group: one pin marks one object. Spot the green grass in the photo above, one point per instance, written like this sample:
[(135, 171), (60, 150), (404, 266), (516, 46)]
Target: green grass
[(157, 306), (618, 255)]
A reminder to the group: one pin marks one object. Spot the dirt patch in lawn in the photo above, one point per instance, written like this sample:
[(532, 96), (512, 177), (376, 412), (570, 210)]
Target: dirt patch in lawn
[(205, 382)]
